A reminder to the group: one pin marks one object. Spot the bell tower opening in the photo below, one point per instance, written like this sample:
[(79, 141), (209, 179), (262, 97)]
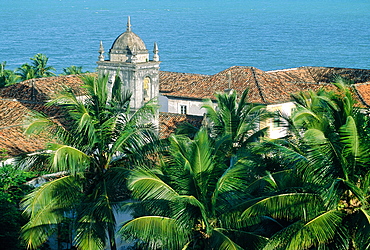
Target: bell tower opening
[(147, 89)]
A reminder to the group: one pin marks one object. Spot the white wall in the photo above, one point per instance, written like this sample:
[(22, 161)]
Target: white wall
[(274, 131), (193, 107), (163, 103), (173, 105)]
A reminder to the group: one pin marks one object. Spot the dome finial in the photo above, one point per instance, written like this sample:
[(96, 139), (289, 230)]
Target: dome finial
[(101, 52), (128, 24), (155, 51)]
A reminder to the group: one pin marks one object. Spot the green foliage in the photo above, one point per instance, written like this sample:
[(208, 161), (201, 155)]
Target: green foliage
[(226, 187), (193, 195), (12, 182), (26, 72), (332, 162), (73, 70), (12, 190), (37, 69), (7, 77), (235, 119), (103, 141), (39, 64)]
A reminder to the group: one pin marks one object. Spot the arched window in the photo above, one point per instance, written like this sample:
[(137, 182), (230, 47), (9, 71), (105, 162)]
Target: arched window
[(147, 89)]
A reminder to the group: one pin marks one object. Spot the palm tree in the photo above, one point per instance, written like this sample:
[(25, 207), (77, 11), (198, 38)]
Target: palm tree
[(39, 64), (7, 77), (26, 72), (73, 70), (331, 209), (189, 201), (94, 152), (235, 120)]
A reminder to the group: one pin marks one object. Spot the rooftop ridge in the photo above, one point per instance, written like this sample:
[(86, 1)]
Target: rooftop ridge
[(281, 70), (184, 73)]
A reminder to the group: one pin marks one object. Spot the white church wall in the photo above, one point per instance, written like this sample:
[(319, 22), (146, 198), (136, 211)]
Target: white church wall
[(185, 106), (163, 103), (276, 126)]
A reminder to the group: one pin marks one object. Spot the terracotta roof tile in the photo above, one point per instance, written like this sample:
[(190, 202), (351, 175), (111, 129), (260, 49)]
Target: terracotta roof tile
[(18, 100), (174, 81), (13, 115), (301, 74), (169, 122), (13, 112), (235, 77), (321, 74), (363, 92), (264, 87), (41, 89), (15, 142)]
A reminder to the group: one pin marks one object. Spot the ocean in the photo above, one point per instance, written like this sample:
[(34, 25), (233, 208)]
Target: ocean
[(194, 36)]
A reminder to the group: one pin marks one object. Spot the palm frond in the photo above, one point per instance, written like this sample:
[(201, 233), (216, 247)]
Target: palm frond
[(201, 154), (272, 181), (67, 158), (220, 241), (38, 123), (96, 219), (158, 232), (46, 207), (146, 113), (319, 230), (231, 185), (36, 236), (246, 240), (90, 235), (351, 141), (35, 161), (195, 157), (124, 138), (146, 185), (59, 193), (286, 206), (361, 224)]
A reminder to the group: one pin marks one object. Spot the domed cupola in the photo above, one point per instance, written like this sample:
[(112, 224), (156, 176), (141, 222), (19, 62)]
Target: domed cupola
[(129, 60), (129, 47)]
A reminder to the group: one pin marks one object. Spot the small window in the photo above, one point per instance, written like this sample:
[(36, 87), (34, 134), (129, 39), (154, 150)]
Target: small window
[(277, 121), (183, 109)]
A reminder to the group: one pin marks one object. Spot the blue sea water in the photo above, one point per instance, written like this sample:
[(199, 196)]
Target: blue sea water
[(195, 36)]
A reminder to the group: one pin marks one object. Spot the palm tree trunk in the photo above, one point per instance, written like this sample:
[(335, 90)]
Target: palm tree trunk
[(112, 240), (113, 244)]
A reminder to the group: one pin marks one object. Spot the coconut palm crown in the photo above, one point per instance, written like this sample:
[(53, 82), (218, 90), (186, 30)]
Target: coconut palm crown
[(102, 140), (190, 201), (331, 208)]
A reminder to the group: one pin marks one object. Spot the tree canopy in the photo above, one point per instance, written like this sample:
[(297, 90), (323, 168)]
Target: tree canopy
[(103, 141), (226, 186)]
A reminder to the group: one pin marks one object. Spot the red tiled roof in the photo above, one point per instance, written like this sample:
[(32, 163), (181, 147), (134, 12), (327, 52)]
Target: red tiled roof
[(13, 112), (13, 140), (41, 89), (321, 74), (302, 74), (169, 122), (363, 92), (18, 100), (13, 115), (174, 81), (264, 86)]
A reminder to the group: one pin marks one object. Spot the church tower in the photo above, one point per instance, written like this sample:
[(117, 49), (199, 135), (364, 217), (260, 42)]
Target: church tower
[(129, 58)]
